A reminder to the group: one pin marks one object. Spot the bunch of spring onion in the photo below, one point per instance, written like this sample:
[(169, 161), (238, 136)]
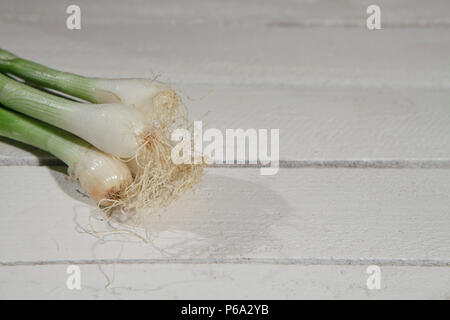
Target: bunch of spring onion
[(128, 120)]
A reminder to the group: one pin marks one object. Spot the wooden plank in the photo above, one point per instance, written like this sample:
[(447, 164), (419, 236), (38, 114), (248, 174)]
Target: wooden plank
[(278, 53), (169, 281), (318, 216), (320, 127), (343, 127), (303, 13)]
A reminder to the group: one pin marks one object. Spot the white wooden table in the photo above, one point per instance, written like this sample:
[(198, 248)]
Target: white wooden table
[(364, 119)]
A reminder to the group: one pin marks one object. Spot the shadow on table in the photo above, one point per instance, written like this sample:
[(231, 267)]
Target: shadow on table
[(68, 185), (225, 216), (42, 158)]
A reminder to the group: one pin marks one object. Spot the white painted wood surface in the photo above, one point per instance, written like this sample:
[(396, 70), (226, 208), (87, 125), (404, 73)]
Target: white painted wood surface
[(342, 96), (306, 13), (303, 12), (308, 233), (223, 281), (277, 54), (320, 127), (343, 216)]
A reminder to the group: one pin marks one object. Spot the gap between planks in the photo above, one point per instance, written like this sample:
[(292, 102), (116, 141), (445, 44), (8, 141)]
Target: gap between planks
[(249, 261), (292, 164)]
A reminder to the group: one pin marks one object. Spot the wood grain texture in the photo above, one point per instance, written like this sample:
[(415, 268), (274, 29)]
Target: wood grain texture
[(309, 216), (319, 127), (276, 53), (342, 96), (169, 281), (291, 13)]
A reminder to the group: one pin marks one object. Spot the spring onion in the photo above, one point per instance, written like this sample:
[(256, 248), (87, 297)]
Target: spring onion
[(119, 130), (148, 96), (104, 178), (113, 128)]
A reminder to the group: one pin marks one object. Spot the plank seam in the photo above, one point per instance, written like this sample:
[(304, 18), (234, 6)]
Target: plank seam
[(375, 164), (250, 261)]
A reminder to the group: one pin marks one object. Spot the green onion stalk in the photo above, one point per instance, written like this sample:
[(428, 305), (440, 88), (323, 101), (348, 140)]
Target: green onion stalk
[(150, 97), (113, 128), (104, 178)]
